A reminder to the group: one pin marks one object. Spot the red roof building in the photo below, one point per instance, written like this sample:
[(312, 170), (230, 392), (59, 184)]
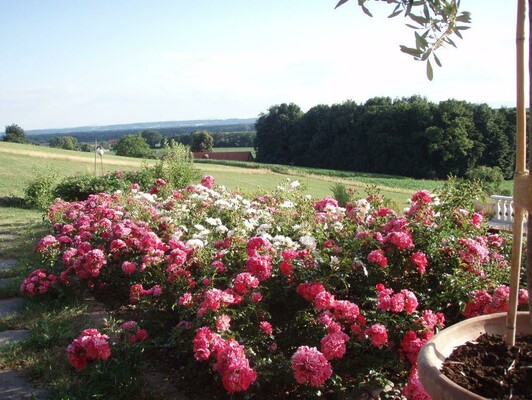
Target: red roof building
[(224, 155)]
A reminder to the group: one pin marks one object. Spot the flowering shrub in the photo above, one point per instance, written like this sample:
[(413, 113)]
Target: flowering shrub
[(91, 345), (280, 293), (38, 282)]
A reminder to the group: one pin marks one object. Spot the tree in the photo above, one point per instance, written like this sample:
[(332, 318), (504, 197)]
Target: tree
[(132, 146), (64, 142), (201, 141), (15, 134), (152, 137), (274, 130)]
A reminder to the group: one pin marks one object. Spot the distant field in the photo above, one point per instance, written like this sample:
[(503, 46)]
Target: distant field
[(19, 164), (222, 149)]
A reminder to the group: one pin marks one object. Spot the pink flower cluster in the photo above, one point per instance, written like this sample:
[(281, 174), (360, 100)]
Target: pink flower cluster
[(207, 181), (310, 366), (378, 335), (474, 251), (325, 204), (214, 299), (378, 257), (137, 291), (230, 359), (90, 346), (482, 302), (259, 260), (405, 300), (37, 282), (132, 332)]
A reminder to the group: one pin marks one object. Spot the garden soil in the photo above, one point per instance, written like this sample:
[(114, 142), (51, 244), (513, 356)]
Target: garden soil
[(490, 368)]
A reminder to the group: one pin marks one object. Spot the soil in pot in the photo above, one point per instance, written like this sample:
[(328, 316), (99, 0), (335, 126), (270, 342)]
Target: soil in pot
[(490, 368)]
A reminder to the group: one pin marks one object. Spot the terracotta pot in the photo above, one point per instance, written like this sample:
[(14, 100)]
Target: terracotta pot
[(436, 350)]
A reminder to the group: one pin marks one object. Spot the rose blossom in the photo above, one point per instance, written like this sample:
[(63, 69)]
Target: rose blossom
[(377, 334), (310, 366), (223, 322), (378, 257), (266, 327)]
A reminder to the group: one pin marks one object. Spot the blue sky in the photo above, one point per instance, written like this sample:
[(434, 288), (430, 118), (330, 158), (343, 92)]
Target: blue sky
[(67, 63)]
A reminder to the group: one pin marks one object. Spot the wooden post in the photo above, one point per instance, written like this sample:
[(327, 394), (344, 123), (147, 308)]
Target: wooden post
[(95, 151), (520, 177)]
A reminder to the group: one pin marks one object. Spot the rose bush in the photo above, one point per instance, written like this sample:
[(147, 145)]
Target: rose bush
[(281, 294)]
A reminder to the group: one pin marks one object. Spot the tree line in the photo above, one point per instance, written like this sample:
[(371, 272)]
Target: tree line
[(107, 135), (141, 144), (407, 137)]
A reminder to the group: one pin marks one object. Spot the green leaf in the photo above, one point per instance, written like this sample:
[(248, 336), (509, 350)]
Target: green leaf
[(437, 59), (397, 10), (457, 33), (426, 11), (395, 13), (449, 40), (426, 55), (340, 3), (366, 11), (430, 72), (411, 51), (409, 8), (464, 17), (420, 20), (421, 42)]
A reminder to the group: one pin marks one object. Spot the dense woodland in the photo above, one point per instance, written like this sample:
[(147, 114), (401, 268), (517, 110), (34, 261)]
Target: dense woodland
[(407, 137)]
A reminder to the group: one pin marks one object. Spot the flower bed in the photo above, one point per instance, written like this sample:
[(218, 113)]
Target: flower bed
[(281, 294)]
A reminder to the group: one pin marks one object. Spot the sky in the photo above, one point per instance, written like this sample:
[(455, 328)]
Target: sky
[(71, 63)]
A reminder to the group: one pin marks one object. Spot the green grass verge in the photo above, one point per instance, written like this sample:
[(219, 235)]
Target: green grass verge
[(21, 163)]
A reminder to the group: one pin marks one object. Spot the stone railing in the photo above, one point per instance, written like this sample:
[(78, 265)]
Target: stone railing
[(504, 212)]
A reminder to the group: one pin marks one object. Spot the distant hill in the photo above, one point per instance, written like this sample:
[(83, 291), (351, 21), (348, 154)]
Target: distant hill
[(164, 125)]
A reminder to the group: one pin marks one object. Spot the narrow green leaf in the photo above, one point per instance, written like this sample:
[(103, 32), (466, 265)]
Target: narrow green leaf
[(426, 11), (395, 13), (464, 17), (449, 40), (419, 20), (426, 55), (409, 8), (414, 27), (418, 40), (366, 11), (430, 72), (411, 51), (340, 3), (457, 33), (436, 59)]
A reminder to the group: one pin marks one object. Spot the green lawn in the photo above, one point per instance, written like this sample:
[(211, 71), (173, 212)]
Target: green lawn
[(19, 164)]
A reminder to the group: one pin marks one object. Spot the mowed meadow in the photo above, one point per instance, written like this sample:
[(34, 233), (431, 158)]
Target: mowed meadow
[(21, 163)]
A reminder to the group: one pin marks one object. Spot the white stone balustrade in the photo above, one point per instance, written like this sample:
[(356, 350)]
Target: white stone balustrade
[(504, 212)]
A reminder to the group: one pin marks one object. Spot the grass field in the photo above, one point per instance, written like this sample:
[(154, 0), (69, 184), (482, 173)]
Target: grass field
[(19, 164)]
